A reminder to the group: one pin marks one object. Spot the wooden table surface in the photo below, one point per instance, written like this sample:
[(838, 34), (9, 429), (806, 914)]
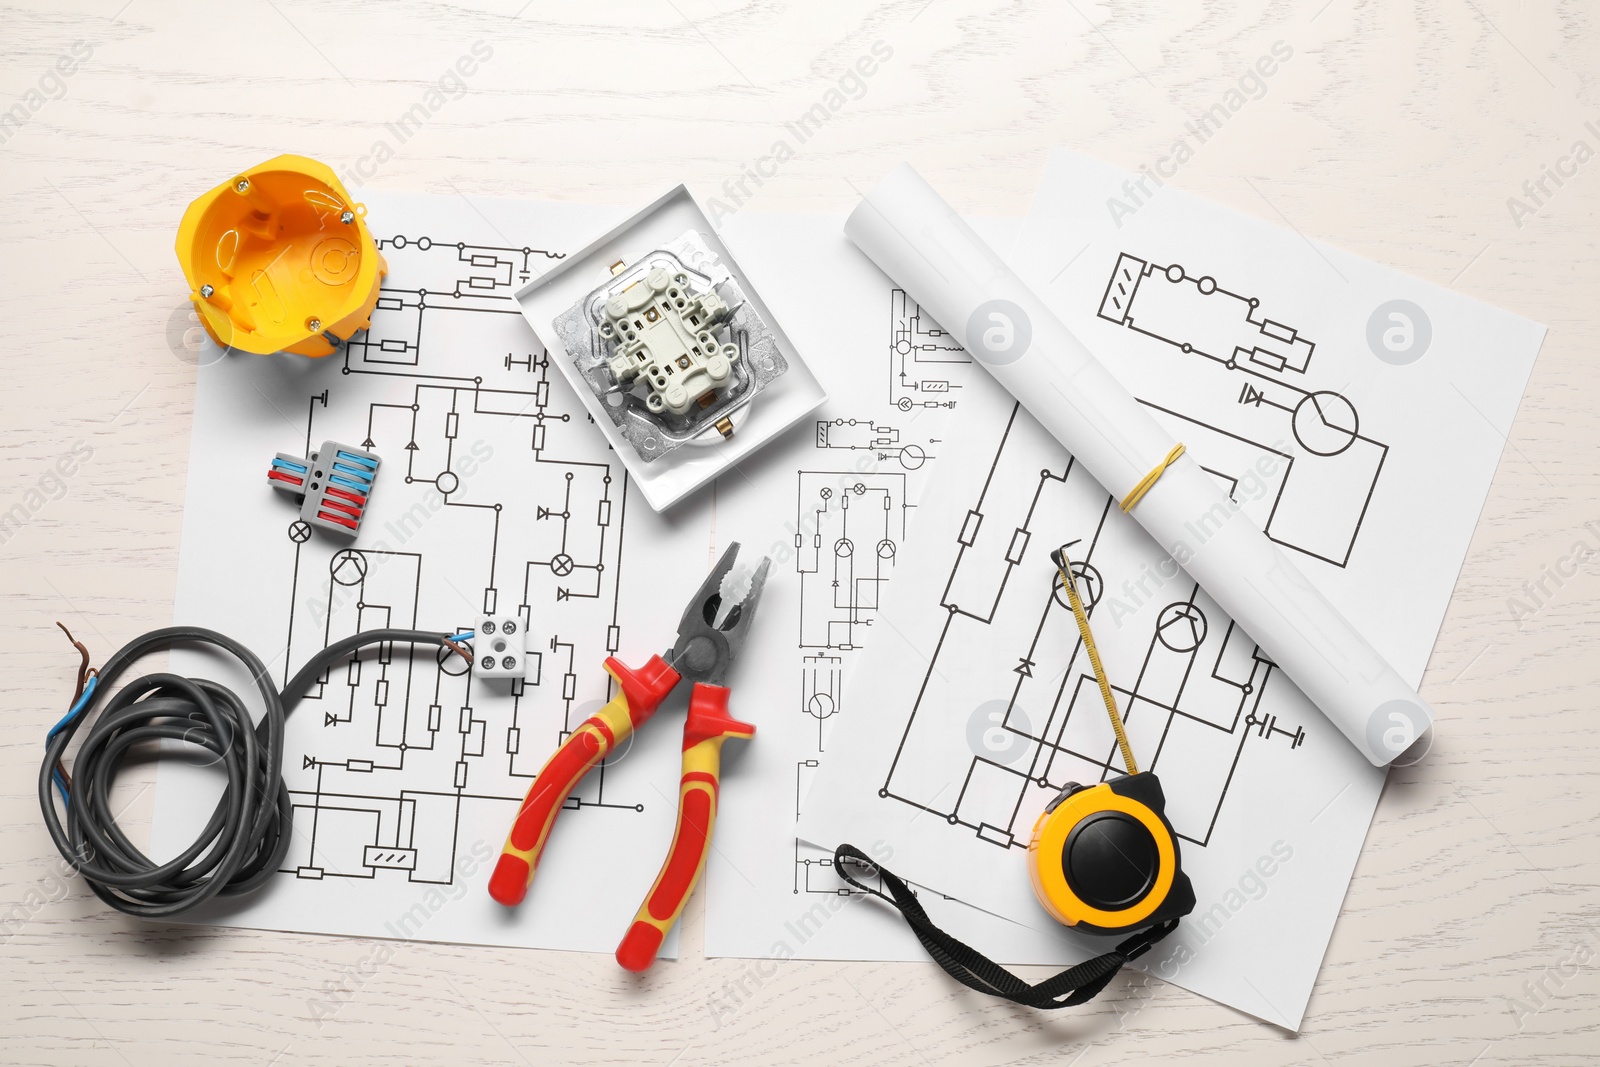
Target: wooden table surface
[(1402, 131)]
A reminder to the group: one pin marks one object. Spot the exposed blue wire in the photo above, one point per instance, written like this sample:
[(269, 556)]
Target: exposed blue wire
[(463, 635), (77, 709), (83, 702)]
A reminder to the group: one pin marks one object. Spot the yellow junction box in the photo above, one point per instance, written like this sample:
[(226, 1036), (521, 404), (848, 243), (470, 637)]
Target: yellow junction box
[(279, 260)]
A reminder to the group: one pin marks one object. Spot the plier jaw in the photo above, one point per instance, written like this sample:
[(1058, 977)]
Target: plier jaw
[(711, 633)]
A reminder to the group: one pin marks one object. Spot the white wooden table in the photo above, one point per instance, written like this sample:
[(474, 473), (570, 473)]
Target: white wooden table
[(1471, 932)]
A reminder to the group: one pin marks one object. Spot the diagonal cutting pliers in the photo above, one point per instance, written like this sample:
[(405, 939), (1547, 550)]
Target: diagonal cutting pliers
[(709, 637)]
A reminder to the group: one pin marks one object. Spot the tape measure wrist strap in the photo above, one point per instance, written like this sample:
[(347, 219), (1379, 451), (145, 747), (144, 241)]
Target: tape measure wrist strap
[(976, 971)]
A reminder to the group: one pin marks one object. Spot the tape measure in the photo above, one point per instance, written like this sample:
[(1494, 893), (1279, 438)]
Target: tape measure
[(1104, 858)]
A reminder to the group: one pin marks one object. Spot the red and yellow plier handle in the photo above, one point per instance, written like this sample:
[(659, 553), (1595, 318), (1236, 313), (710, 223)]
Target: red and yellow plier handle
[(639, 694), (704, 731)]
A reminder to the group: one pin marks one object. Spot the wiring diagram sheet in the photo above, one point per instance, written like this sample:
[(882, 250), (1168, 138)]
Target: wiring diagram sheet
[(495, 494), (1356, 414)]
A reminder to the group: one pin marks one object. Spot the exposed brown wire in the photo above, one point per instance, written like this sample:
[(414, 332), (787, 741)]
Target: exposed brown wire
[(85, 672), (83, 667)]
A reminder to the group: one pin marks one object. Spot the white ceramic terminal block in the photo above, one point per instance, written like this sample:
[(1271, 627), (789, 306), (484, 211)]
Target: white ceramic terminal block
[(498, 647)]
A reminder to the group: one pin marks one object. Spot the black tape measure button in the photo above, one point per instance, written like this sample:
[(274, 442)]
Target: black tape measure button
[(1110, 860)]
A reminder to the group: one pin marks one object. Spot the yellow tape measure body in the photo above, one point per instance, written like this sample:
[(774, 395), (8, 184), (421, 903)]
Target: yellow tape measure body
[(1104, 858)]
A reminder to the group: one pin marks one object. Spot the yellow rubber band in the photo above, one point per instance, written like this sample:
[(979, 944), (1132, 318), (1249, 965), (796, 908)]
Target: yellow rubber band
[(1082, 617), (1137, 493)]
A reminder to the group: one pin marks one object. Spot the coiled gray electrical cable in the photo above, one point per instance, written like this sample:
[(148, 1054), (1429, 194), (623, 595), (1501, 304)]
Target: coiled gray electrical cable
[(248, 833)]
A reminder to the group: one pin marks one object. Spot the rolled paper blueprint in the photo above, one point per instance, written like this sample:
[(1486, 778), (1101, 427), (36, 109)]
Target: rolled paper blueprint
[(919, 241)]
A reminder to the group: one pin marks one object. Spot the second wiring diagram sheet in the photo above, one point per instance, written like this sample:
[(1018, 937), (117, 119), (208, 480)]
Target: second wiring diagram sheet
[(1356, 415)]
